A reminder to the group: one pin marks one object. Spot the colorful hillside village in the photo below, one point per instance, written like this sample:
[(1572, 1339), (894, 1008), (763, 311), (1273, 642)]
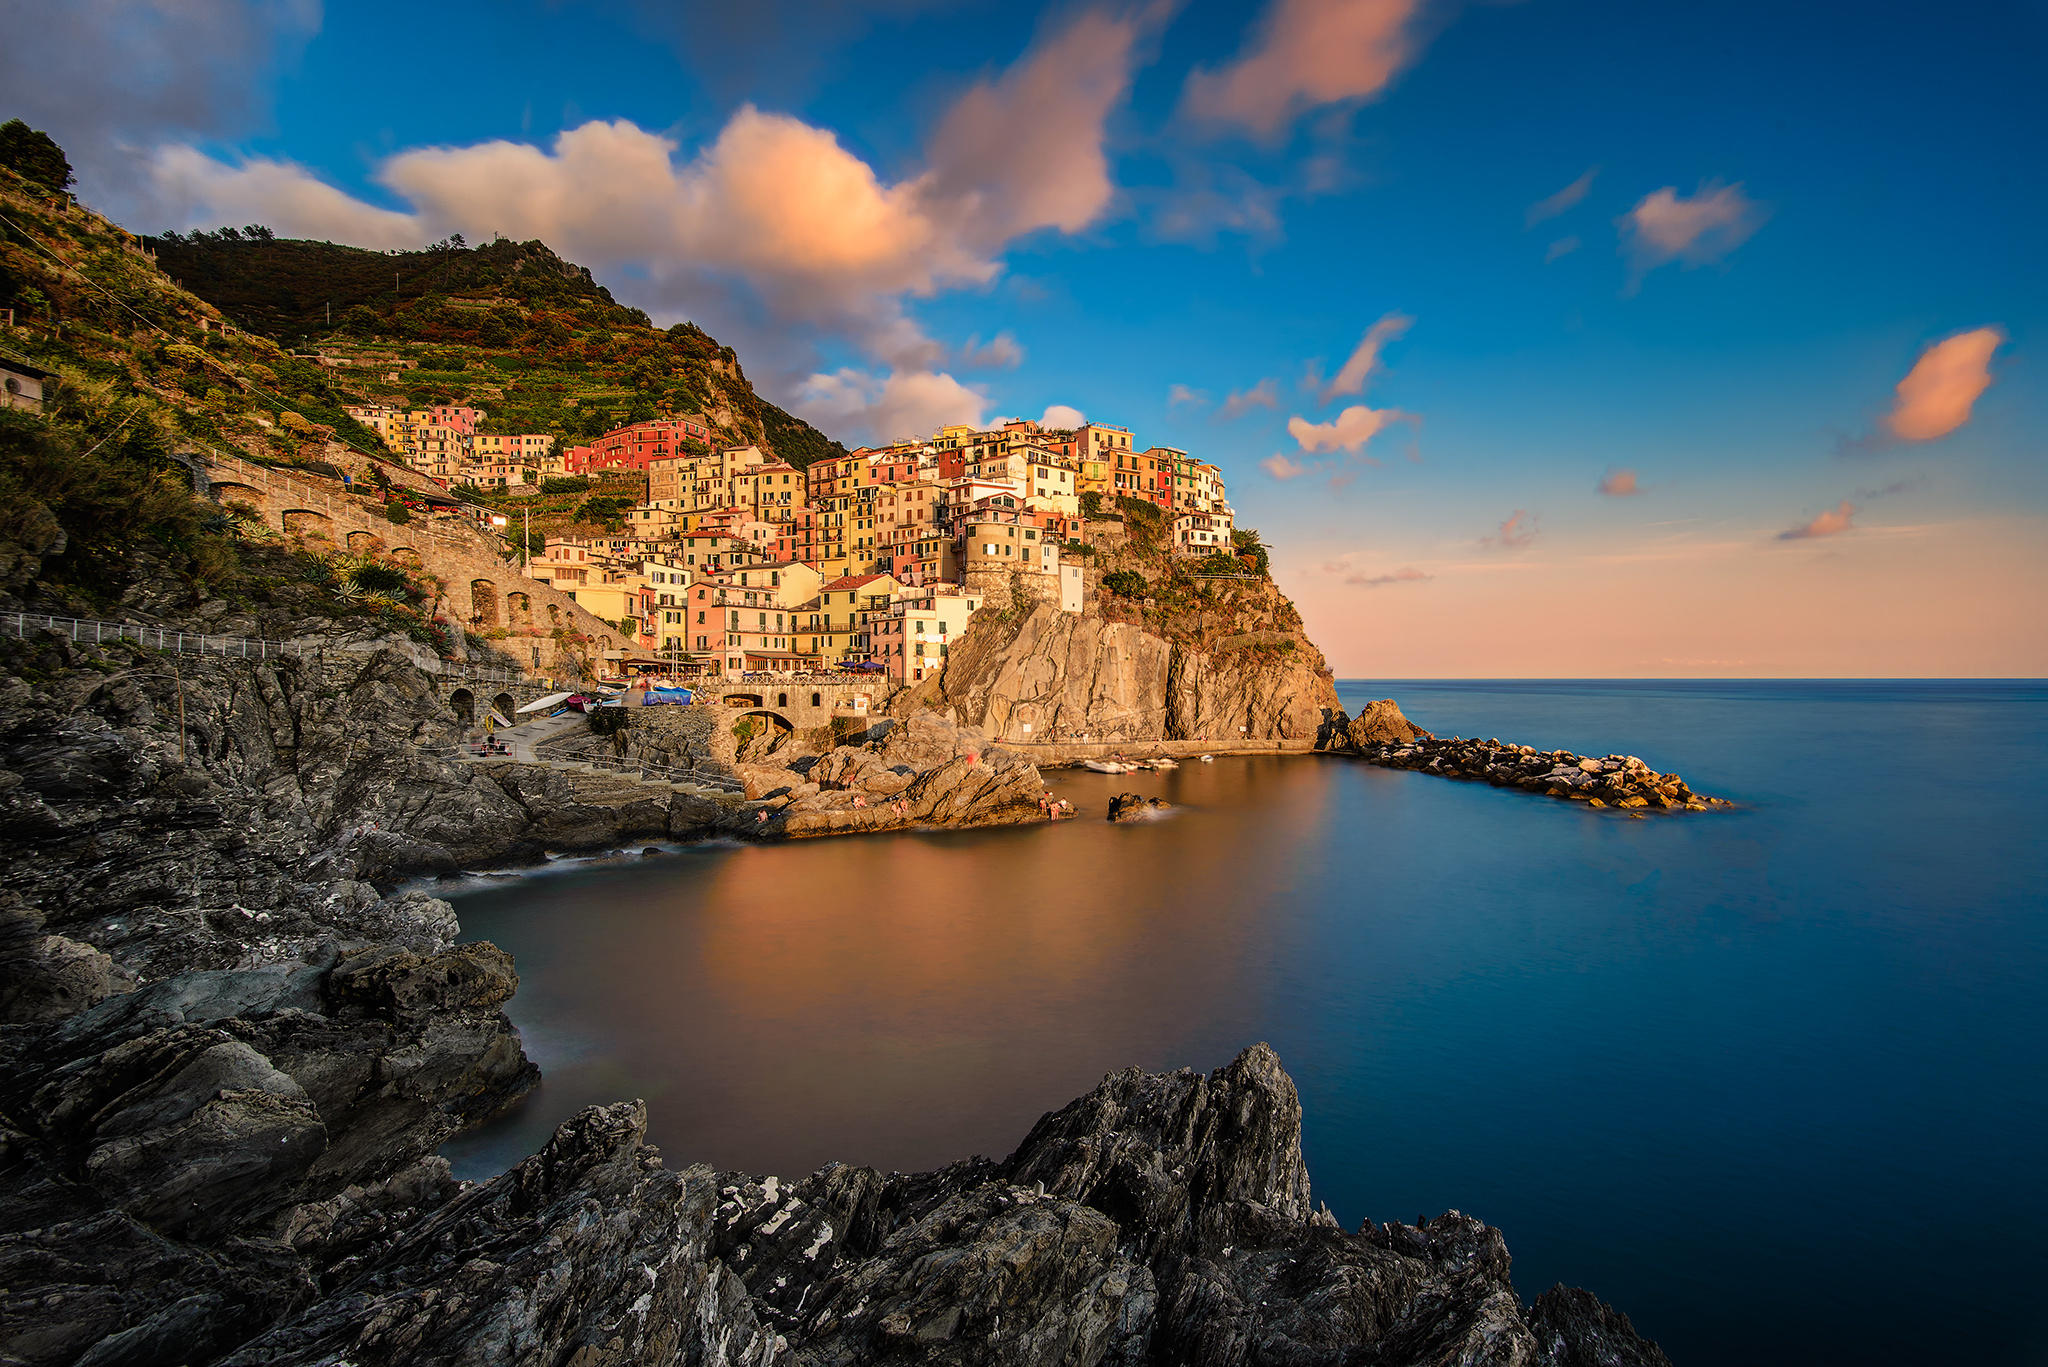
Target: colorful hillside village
[(736, 563)]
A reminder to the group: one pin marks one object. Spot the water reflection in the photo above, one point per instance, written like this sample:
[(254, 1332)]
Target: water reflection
[(780, 1007)]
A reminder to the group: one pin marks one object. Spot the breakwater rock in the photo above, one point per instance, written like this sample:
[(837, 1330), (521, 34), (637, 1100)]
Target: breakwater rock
[(1381, 735)]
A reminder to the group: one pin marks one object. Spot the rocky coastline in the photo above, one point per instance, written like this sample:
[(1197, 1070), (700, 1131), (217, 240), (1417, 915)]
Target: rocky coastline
[(1381, 735), (230, 1046)]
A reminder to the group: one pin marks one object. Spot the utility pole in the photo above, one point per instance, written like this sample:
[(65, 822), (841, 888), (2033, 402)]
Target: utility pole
[(526, 540)]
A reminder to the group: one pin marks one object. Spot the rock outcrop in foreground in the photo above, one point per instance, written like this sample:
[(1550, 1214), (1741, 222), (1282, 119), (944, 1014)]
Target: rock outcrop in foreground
[(1380, 735), (228, 1053), (1160, 1218)]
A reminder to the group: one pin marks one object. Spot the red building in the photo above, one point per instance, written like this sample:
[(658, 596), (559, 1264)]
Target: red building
[(630, 448)]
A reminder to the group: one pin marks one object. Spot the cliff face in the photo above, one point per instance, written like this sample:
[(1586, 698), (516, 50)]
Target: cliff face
[(1049, 676)]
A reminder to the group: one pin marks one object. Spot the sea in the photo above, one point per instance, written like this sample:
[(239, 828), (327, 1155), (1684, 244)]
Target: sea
[(1773, 1081)]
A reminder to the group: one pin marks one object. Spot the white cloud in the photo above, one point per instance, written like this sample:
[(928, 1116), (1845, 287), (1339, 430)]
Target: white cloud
[(1264, 394), (1563, 247), (1665, 226), (1061, 416), (112, 79), (1002, 353), (1308, 53), (1185, 396), (1365, 358), (1348, 431), (194, 190), (899, 405)]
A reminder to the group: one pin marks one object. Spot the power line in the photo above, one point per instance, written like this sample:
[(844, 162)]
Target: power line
[(282, 404)]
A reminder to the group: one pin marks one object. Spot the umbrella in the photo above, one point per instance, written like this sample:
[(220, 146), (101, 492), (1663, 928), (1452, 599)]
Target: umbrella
[(543, 704)]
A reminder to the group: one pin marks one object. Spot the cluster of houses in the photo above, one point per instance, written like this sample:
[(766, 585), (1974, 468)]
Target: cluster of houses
[(737, 562)]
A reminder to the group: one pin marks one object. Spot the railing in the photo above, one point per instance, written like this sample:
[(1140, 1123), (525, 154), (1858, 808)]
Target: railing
[(86, 631), (89, 632)]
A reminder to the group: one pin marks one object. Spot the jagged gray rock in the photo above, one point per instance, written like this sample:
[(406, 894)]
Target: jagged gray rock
[(231, 1057)]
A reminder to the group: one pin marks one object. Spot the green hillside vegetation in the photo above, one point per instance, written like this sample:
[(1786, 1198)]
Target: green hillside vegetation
[(529, 337)]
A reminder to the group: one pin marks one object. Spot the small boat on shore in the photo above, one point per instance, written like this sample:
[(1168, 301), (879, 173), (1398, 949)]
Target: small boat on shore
[(1107, 766)]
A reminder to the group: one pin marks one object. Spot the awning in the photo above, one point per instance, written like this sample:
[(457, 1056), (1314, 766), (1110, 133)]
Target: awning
[(543, 704)]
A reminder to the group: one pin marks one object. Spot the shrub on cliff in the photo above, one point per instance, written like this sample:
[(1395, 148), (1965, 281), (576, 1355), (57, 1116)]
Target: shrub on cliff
[(1125, 583)]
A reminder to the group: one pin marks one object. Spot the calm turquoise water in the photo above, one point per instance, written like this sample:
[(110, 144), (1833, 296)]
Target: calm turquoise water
[(1772, 1081)]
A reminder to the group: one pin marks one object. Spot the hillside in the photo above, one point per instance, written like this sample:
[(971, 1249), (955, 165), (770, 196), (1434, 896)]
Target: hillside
[(510, 325)]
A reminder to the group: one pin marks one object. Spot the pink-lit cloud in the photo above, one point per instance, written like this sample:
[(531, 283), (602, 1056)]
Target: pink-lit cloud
[(1281, 468), (1666, 226), (1350, 430), (1833, 522), (1938, 393), (1550, 206), (1307, 53), (1264, 394), (773, 230), (1358, 368), (1185, 396), (1516, 532), (1619, 483), (1563, 247)]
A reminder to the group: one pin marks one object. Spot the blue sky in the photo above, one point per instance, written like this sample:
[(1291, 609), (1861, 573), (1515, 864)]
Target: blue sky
[(1210, 196)]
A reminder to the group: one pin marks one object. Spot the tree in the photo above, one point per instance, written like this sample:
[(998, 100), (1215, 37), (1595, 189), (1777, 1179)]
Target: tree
[(1251, 550), (1125, 583), (34, 155), (1091, 504), (397, 513), (256, 232)]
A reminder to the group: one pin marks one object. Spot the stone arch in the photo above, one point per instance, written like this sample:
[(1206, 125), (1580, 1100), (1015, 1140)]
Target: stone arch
[(782, 699), (503, 706), (365, 543), (483, 604), (407, 556), (462, 703), (817, 700), (306, 522), (742, 700), (231, 493), (518, 609), (758, 733)]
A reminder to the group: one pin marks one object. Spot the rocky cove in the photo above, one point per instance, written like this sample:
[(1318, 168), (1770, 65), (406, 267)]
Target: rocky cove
[(233, 1046)]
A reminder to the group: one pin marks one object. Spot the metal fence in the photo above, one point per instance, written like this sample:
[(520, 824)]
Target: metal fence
[(86, 631)]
